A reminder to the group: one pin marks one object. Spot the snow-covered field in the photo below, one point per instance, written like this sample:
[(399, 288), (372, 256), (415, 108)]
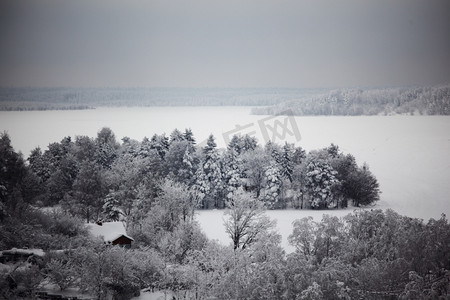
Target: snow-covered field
[(410, 155)]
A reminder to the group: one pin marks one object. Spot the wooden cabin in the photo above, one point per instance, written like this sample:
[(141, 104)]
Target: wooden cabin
[(113, 233)]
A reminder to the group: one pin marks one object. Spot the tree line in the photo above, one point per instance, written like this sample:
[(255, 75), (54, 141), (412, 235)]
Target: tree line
[(102, 178), (434, 100), (421, 100), (370, 254), (27, 98)]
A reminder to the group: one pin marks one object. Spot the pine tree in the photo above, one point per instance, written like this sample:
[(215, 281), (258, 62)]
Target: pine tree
[(160, 143), (242, 144), (209, 174), (273, 186), (176, 136), (235, 144), (189, 136), (38, 165), (298, 156), (286, 163), (87, 199), (333, 151), (249, 143), (187, 172), (130, 148), (232, 174), (107, 147), (111, 207), (320, 181), (210, 147)]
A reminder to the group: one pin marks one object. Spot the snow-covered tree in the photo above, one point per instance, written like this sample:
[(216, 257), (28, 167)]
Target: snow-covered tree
[(254, 165), (88, 192), (176, 136), (313, 292), (188, 168), (246, 222), (235, 144), (130, 147), (320, 181), (189, 136), (362, 187), (209, 175), (286, 163), (160, 143), (273, 186), (242, 144), (111, 207), (145, 148), (107, 147), (232, 173), (174, 159)]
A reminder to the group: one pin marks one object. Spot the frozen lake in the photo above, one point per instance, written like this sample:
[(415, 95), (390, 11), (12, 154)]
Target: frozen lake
[(410, 155)]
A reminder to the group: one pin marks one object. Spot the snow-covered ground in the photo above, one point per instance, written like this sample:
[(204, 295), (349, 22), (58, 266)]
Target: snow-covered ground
[(410, 155)]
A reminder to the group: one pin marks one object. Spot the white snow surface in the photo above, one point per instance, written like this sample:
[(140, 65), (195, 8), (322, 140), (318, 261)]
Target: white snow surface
[(109, 231)]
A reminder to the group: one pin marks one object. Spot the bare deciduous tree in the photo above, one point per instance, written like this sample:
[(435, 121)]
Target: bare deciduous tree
[(246, 220)]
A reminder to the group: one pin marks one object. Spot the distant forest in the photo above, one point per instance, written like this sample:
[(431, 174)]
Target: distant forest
[(266, 101), (89, 98), (378, 101)]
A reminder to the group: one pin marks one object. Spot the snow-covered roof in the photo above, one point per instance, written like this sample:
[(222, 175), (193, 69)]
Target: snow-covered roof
[(109, 231)]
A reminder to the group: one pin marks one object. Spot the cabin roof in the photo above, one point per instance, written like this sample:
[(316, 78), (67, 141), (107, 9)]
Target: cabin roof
[(109, 231)]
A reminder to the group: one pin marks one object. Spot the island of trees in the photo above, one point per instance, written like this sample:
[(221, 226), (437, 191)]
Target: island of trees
[(156, 185), (102, 178)]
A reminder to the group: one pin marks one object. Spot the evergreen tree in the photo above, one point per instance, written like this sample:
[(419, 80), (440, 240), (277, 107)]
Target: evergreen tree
[(298, 156), (130, 148), (187, 171), (273, 186), (235, 144), (249, 143), (176, 136), (320, 181), (12, 174), (254, 170), (85, 148), (286, 164), (111, 207), (209, 175), (210, 146), (145, 148), (274, 151), (107, 147), (174, 159), (189, 136), (87, 197), (161, 144), (362, 187), (232, 174), (333, 151), (38, 165)]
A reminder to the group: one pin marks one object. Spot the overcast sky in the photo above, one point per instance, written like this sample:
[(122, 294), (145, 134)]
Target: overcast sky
[(209, 43)]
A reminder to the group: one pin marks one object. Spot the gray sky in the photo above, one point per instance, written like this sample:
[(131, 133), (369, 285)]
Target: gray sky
[(209, 43)]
